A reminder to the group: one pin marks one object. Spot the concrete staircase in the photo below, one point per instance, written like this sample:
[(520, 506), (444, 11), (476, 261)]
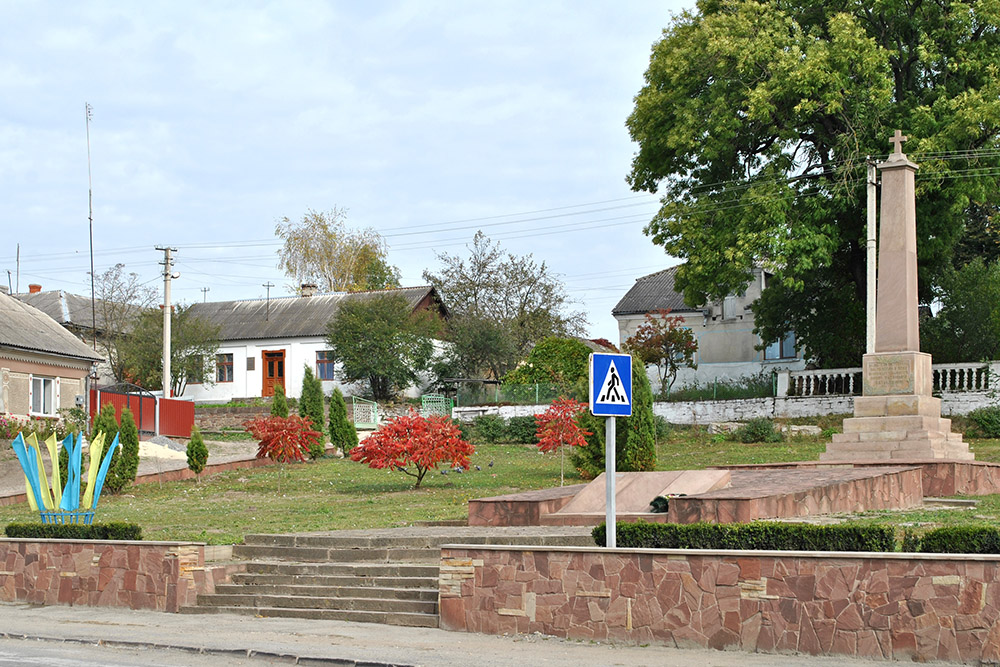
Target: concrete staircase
[(385, 576)]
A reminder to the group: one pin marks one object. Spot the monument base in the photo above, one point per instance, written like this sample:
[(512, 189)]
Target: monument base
[(897, 427)]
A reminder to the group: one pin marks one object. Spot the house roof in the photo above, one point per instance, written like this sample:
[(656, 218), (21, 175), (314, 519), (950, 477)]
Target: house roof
[(295, 316), (69, 310), (653, 292), (24, 327)]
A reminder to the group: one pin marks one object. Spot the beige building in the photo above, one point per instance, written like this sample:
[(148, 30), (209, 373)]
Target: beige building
[(727, 344), (43, 367)]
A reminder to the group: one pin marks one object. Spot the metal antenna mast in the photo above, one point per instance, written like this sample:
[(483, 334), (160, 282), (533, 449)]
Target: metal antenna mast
[(88, 110), (268, 285)]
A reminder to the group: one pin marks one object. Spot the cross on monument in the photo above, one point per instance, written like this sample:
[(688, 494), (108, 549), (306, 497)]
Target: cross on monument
[(898, 139)]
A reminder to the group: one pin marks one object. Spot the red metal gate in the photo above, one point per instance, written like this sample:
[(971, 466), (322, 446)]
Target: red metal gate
[(176, 417)]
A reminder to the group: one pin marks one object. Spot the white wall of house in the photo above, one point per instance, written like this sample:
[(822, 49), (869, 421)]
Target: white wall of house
[(249, 383)]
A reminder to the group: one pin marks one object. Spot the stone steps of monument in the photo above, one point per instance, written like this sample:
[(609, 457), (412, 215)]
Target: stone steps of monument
[(367, 580), (262, 600), (419, 620)]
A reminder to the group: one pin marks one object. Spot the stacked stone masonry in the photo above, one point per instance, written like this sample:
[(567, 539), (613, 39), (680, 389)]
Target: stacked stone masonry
[(877, 606), (160, 576)]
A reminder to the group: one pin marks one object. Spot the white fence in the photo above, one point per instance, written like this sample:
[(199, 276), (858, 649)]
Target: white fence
[(980, 377)]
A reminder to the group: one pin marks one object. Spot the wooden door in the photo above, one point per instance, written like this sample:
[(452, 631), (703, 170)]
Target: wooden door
[(274, 371)]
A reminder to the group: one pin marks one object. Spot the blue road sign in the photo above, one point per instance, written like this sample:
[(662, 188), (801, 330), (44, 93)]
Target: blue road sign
[(611, 385)]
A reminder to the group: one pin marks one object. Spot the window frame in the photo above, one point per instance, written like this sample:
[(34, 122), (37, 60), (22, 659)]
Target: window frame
[(328, 364), (224, 363), (785, 348), (51, 395)]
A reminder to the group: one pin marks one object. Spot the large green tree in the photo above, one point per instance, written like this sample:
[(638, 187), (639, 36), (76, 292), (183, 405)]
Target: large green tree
[(755, 123), (194, 341), (501, 304), (382, 341), (967, 327)]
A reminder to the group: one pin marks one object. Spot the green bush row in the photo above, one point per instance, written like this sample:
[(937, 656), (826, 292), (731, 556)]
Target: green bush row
[(759, 535), (974, 539), (985, 422), (75, 531), (494, 428)]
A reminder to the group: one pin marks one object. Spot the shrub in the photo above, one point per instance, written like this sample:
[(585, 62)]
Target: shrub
[(558, 428), (759, 429), (75, 531), (662, 427), (521, 430), (197, 452), (104, 422), (985, 421), (311, 406), (465, 429), (125, 462), (282, 439), (343, 435), (759, 535), (413, 440), (981, 539), (490, 428), (636, 452), (279, 404), (589, 459)]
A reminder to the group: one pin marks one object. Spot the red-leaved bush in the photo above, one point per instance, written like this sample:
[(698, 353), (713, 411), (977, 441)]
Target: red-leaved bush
[(413, 445), (283, 439), (557, 427)]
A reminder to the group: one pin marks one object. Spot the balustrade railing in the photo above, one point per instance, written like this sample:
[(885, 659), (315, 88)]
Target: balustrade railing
[(948, 378)]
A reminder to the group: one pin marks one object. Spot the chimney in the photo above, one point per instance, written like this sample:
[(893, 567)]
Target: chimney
[(34, 288), (308, 289)]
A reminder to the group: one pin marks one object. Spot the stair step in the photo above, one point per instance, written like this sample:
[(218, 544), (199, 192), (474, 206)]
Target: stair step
[(411, 542), (343, 569), (337, 555), (335, 581), (256, 601), (386, 618), (429, 594)]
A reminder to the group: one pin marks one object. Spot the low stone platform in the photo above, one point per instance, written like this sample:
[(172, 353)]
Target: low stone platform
[(768, 491)]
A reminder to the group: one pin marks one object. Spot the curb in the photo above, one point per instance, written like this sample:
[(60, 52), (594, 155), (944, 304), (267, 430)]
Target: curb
[(270, 656)]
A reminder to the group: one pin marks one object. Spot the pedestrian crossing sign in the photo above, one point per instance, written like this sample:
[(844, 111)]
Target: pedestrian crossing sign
[(611, 385)]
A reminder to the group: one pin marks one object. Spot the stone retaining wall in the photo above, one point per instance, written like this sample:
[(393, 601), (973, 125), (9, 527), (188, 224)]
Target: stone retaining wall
[(226, 417), (920, 607), (160, 576)]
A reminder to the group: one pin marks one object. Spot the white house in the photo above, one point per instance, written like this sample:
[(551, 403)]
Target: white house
[(727, 344), (264, 342)]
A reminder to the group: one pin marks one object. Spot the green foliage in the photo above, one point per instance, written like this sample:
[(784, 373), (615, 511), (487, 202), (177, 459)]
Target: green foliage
[(589, 459), (753, 126), (197, 452), (382, 341), (637, 451), (985, 421), (759, 429), (967, 328), (75, 419), (522, 297), (124, 464), (562, 361), (522, 430), (759, 536), (106, 423), (490, 428), (311, 406), (74, 531), (659, 505), (194, 342), (968, 539), (662, 427), (481, 347), (343, 435), (279, 404), (755, 385)]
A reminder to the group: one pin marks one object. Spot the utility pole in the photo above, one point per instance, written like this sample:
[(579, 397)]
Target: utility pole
[(168, 274), (872, 253), (90, 216), (268, 285), (204, 293)]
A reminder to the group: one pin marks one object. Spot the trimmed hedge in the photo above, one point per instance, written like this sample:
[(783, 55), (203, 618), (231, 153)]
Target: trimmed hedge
[(114, 530), (522, 430), (757, 536), (961, 540)]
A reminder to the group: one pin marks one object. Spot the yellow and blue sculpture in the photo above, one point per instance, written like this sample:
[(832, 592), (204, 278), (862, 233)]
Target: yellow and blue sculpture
[(56, 503)]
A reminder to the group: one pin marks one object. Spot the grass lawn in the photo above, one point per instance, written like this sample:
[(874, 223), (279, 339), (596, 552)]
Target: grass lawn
[(333, 494)]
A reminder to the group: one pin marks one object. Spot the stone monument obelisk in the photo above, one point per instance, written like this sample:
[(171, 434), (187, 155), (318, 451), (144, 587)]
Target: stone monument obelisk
[(896, 417)]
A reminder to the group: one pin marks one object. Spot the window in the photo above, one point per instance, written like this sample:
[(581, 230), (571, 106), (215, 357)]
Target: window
[(324, 365), (730, 306), (223, 368), (43, 396), (781, 349), (250, 363)]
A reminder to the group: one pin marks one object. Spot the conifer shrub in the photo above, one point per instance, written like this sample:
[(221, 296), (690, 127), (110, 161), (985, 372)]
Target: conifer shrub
[(125, 463), (197, 452), (343, 435), (106, 423), (279, 404), (311, 406)]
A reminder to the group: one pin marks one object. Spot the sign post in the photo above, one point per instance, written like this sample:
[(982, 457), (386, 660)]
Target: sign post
[(611, 397)]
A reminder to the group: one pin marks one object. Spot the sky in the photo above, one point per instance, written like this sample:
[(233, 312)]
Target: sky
[(426, 121)]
